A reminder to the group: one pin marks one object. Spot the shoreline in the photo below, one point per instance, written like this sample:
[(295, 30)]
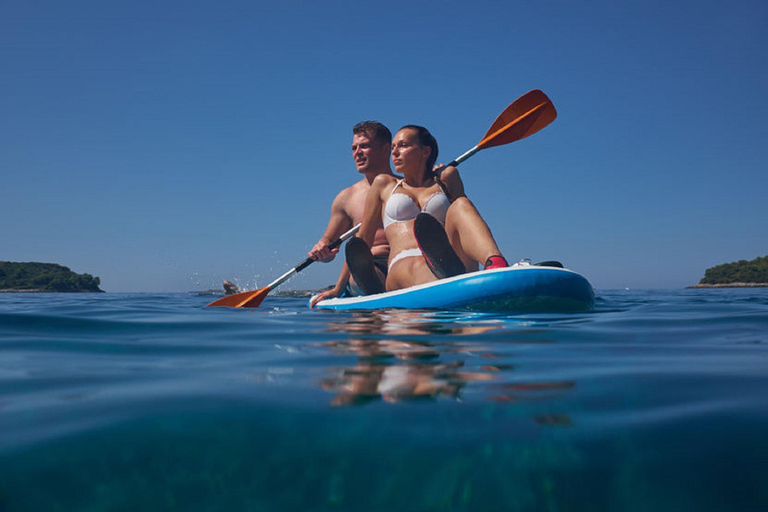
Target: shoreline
[(730, 285), (11, 290)]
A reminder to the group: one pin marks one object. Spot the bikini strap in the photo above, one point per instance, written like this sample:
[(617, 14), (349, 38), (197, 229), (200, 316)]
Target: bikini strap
[(395, 187)]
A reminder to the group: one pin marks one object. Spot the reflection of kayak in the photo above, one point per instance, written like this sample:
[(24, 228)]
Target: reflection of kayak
[(519, 288)]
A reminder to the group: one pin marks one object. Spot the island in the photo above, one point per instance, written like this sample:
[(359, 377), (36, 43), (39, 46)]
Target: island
[(44, 277), (739, 274)]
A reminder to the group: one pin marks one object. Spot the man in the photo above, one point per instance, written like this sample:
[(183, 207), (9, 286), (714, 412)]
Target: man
[(371, 148)]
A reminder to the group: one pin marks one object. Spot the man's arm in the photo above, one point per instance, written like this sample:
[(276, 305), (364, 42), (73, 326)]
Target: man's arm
[(339, 223)]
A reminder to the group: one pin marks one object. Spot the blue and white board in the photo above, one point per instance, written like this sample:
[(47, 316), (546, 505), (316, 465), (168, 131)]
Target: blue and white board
[(519, 288)]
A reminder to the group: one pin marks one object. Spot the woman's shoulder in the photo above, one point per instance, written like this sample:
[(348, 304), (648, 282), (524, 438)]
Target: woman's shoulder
[(383, 180)]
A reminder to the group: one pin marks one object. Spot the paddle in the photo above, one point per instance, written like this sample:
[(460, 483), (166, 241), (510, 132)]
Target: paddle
[(523, 117), (254, 298)]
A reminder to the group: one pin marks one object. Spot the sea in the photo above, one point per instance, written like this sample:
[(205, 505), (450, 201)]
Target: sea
[(655, 401)]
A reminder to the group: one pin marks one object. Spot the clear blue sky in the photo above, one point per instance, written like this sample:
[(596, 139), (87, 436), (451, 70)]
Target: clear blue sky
[(165, 146)]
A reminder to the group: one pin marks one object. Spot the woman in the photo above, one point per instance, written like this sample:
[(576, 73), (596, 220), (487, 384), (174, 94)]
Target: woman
[(396, 203)]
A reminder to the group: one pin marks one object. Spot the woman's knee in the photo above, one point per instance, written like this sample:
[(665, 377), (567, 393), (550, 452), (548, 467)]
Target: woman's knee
[(462, 216), (461, 206)]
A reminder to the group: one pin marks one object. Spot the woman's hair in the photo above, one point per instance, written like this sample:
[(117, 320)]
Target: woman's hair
[(425, 139)]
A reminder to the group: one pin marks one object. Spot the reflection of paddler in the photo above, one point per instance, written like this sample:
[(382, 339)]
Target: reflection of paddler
[(368, 349), (355, 385), (403, 382), (397, 383), (401, 322)]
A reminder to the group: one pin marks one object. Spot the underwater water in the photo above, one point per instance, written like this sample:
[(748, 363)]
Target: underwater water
[(657, 400)]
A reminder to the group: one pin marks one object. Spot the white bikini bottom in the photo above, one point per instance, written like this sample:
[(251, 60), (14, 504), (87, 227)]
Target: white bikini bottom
[(406, 253)]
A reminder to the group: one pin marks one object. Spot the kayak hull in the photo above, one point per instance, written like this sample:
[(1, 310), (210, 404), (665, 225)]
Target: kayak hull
[(520, 288)]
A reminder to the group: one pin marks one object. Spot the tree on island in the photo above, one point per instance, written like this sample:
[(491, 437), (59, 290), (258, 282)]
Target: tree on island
[(755, 271), (45, 277)]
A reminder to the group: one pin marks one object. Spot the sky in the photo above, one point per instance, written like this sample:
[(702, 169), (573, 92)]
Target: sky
[(166, 146)]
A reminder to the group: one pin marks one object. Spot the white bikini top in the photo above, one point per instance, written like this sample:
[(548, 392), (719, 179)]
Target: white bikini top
[(400, 207)]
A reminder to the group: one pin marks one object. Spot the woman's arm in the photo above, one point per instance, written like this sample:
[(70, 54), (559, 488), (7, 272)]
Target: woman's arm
[(452, 181)]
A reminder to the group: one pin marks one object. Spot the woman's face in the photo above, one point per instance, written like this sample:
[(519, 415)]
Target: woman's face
[(407, 154)]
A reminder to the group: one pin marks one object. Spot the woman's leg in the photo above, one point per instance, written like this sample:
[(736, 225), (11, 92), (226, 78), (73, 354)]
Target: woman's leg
[(470, 236)]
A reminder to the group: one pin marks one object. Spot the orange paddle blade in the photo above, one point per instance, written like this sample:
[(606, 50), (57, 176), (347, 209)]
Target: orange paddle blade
[(256, 299), (250, 299), (525, 116)]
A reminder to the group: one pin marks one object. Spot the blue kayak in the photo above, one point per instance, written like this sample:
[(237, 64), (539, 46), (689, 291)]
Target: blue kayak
[(519, 288)]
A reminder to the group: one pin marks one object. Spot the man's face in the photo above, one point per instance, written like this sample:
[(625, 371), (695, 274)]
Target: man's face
[(368, 154)]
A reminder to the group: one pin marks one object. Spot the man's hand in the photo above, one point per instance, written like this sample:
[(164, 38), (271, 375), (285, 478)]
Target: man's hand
[(321, 252), (328, 294)]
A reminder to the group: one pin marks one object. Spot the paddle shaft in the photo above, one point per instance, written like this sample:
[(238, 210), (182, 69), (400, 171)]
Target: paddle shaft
[(307, 262), (465, 156)]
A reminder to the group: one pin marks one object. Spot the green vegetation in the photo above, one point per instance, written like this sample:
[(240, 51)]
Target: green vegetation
[(44, 277), (755, 271)]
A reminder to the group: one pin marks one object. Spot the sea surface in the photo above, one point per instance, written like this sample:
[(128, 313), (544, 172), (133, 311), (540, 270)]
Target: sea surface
[(657, 401)]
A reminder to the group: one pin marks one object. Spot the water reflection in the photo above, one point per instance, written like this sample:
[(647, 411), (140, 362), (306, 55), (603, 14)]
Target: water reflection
[(401, 322), (367, 381), (423, 356)]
